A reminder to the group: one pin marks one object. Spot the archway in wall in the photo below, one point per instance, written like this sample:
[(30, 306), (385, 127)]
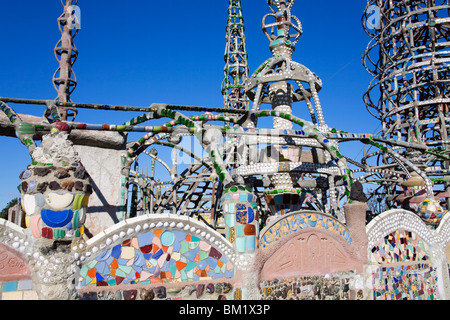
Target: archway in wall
[(308, 255)]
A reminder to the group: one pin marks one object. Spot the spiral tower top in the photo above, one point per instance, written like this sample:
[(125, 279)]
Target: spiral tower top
[(409, 58)]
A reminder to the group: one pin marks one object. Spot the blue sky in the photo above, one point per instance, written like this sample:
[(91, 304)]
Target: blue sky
[(141, 52)]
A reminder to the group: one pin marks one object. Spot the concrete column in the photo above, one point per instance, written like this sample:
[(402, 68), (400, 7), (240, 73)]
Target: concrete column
[(241, 218)]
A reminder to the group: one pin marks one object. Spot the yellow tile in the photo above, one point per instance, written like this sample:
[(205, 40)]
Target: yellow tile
[(13, 295)]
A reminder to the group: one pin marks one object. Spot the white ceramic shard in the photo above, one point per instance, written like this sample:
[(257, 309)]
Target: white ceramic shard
[(29, 204), (59, 201)]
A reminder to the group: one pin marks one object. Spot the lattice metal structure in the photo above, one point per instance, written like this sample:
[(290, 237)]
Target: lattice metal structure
[(66, 53), (236, 66), (281, 82), (409, 58), (294, 165)]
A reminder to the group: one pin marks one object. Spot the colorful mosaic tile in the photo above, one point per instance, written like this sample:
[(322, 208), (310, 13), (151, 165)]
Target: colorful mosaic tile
[(55, 200), (400, 246), (241, 218), (284, 203), (431, 211), (300, 221), (157, 257), (211, 291), (18, 290), (407, 282), (320, 287)]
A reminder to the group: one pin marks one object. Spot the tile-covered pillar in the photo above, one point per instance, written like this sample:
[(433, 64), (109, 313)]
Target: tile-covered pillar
[(241, 218), (55, 192)]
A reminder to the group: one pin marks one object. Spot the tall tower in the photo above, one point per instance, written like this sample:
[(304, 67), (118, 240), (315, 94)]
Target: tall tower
[(281, 83), (64, 79), (409, 58), (236, 67)]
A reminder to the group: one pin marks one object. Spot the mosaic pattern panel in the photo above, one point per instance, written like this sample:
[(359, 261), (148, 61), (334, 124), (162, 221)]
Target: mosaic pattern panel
[(241, 218), (413, 279), (55, 200), (301, 221), (400, 246), (18, 290), (210, 291), (157, 257), (412, 282), (337, 287)]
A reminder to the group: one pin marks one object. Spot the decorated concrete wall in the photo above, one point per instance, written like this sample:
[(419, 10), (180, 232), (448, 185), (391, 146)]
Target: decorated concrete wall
[(159, 257), (308, 255), (302, 255), (407, 259), (16, 281)]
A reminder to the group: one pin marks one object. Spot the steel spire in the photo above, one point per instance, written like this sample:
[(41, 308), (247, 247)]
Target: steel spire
[(236, 67)]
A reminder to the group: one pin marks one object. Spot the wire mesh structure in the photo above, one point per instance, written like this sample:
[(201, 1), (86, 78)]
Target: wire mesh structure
[(409, 58)]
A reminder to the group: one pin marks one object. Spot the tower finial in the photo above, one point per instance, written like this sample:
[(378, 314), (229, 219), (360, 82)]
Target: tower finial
[(286, 30)]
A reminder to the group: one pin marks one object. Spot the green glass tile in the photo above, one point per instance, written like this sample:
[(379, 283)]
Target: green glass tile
[(184, 247), (83, 271), (203, 255)]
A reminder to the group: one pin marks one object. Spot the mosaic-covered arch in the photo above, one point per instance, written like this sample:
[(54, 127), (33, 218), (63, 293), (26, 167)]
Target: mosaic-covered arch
[(404, 257), (398, 219), (305, 251), (305, 243), (154, 250), (298, 221)]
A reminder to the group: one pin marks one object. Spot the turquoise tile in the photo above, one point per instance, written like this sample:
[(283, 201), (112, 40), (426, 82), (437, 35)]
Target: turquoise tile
[(239, 230), (251, 243), (240, 244), (10, 286)]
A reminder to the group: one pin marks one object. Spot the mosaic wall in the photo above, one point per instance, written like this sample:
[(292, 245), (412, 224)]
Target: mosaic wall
[(400, 246), (284, 203), (301, 221), (15, 276), (411, 280), (209, 291), (18, 290), (325, 287), (170, 256)]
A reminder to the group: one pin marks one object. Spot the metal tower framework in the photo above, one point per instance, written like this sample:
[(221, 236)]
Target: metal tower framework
[(236, 67), (296, 164), (409, 59)]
